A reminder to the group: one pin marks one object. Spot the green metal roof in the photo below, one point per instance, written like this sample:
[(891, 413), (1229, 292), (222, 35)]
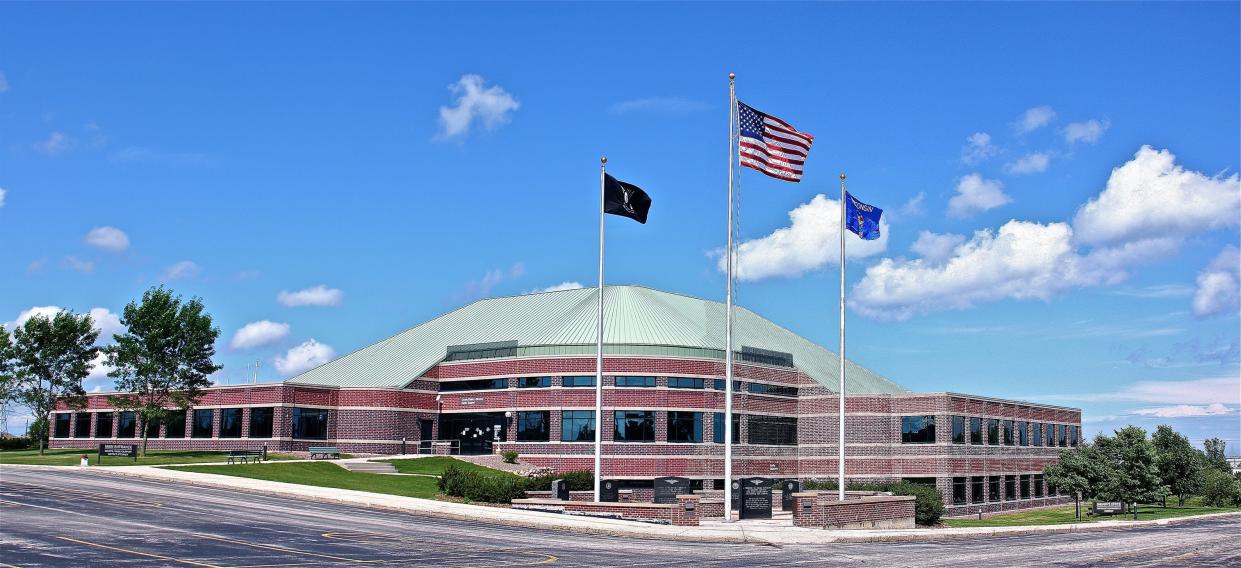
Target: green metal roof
[(637, 320)]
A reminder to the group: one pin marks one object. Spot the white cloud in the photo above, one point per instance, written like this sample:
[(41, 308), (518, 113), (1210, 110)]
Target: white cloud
[(182, 270), (810, 242), (107, 238), (317, 296), (304, 357), (77, 264), (1031, 163), (911, 208), (660, 105), (45, 311), (935, 247), (1185, 411), (1158, 291), (1224, 390), (490, 105), (976, 194), (36, 264), (56, 143), (1034, 118), (978, 147), (4, 83), (1219, 285), (1151, 196), (558, 287), (259, 333), (1088, 132), (3, 193), (107, 322), (482, 287)]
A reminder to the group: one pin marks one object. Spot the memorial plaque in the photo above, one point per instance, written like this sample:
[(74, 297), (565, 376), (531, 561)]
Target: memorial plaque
[(736, 504), (756, 498), (1109, 508), (609, 491), (667, 488), (119, 450), (787, 488), (560, 490)]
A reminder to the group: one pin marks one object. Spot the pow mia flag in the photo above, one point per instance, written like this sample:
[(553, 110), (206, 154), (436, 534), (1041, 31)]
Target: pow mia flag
[(625, 199)]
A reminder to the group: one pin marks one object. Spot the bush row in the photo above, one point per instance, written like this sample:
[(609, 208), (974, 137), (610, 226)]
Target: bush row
[(16, 443), (577, 480), (928, 501), (473, 486)]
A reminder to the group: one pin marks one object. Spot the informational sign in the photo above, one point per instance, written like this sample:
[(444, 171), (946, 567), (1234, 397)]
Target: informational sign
[(787, 488), (756, 498), (667, 488), (609, 491), (1108, 508), (736, 504), (118, 451), (560, 490)]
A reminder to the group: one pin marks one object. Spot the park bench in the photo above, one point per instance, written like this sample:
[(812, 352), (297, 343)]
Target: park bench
[(245, 456), (323, 451)]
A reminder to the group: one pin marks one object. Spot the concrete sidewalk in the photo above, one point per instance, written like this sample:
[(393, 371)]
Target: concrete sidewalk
[(764, 532)]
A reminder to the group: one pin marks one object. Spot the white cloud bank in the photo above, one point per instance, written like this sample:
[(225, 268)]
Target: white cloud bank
[(1129, 223), (975, 195), (259, 333), (936, 248), (183, 270), (492, 106), (978, 147), (1185, 411), (811, 241), (1088, 132), (567, 285), (1032, 163), (317, 296), (1219, 286), (105, 320), (304, 357), (1034, 118), (107, 238), (78, 265)]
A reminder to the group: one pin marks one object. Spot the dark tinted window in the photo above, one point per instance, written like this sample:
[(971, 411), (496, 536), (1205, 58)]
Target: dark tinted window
[(993, 487), (1051, 435), (579, 381), (1010, 488), (958, 429), (635, 381), (686, 383), (261, 421), (476, 384), (717, 428), (532, 425), (719, 385), (976, 431), (534, 382), (1008, 432), (977, 490), (684, 426), (1025, 487), (635, 426), (1038, 485), (1036, 434), (917, 429), (127, 425), (959, 486), (1073, 436), (773, 390), (310, 423), (993, 432), (153, 428), (176, 424), (1064, 436), (62, 425), (202, 423), (230, 423), (103, 425), (772, 430), (1023, 433), (577, 425), (81, 425)]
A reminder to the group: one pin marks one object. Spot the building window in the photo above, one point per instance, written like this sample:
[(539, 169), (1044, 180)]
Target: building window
[(1073, 436), (62, 425), (958, 429), (686, 383), (230, 423), (976, 431), (717, 428), (977, 490), (103, 425), (1036, 432), (958, 490), (1023, 433), (1064, 436), (310, 423), (772, 390), (1010, 488), (176, 424), (685, 427), (577, 425), (1008, 433), (474, 384), (634, 426), (993, 488), (1025, 487), (1051, 435), (532, 425), (261, 421), (534, 382), (635, 382), (153, 428), (719, 385), (773, 430), (81, 425), (127, 425), (917, 429), (578, 381), (201, 427), (1038, 485), (993, 432)]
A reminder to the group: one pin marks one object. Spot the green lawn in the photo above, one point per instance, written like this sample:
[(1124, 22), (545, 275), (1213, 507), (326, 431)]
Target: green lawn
[(71, 456), (435, 466), (1064, 515), (322, 474)]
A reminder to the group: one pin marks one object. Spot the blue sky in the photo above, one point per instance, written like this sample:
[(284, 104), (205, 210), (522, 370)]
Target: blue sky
[(1059, 180)]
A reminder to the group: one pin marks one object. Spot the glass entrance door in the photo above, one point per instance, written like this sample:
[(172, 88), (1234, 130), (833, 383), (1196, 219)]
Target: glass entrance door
[(477, 431)]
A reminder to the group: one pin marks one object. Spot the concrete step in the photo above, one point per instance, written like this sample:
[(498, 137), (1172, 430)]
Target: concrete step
[(369, 467)]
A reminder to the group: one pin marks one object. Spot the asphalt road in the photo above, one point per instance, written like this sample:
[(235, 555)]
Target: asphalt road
[(73, 518)]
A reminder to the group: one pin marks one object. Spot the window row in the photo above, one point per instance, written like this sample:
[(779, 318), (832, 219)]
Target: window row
[(306, 423), (1013, 433), (639, 426), (623, 381), (987, 489)]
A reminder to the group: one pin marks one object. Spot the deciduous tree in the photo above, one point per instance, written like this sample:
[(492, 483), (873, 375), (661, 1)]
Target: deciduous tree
[(1215, 454), (1080, 471), (50, 358), (1180, 465), (1132, 456)]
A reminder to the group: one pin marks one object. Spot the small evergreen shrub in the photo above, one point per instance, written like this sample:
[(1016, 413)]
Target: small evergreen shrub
[(509, 456), (474, 486), (583, 480)]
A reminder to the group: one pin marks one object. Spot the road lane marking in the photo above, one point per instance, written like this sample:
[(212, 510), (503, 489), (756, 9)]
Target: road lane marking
[(288, 550), (139, 553)]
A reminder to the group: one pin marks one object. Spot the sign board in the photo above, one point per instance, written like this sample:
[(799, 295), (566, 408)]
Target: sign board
[(609, 491), (118, 451), (667, 488), (1108, 508), (787, 488), (756, 498), (560, 490)]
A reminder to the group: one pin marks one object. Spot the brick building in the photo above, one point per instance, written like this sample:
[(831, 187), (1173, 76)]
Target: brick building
[(517, 373)]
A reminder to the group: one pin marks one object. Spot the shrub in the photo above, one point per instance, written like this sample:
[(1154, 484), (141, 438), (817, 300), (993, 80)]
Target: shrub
[(15, 443), (583, 480), (509, 456), (928, 503), (487, 488), (1220, 489)]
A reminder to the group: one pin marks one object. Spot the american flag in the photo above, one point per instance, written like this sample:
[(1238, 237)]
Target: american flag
[(771, 145)]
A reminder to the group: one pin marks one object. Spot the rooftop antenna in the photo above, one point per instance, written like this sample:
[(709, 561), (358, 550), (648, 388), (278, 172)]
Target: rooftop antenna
[(257, 363)]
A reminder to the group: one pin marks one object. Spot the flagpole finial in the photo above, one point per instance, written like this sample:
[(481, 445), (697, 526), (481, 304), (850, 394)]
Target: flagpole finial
[(603, 159), (842, 176), (732, 76)]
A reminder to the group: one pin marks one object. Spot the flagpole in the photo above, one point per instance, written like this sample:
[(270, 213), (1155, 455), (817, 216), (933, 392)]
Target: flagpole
[(603, 165), (840, 440), (728, 315)]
